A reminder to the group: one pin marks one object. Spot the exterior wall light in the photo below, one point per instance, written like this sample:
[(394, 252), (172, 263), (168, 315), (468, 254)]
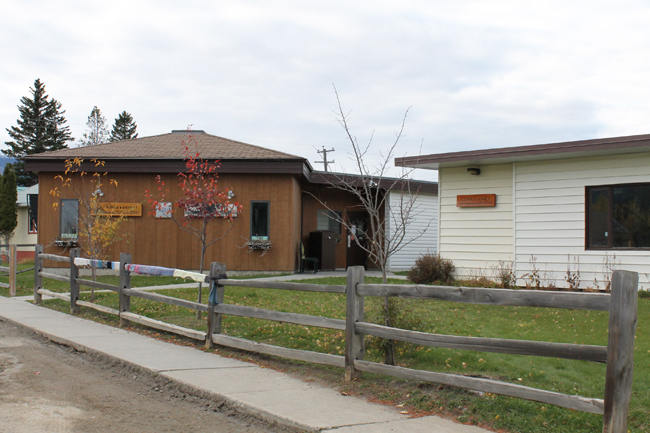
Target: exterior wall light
[(474, 171)]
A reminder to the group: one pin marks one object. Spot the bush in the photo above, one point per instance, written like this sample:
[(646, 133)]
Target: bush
[(399, 313), (430, 268)]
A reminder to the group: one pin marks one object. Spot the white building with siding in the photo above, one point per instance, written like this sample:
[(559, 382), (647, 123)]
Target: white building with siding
[(581, 205), (421, 235)]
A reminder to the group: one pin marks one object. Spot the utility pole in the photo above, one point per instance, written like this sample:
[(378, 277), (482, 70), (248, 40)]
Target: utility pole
[(325, 161)]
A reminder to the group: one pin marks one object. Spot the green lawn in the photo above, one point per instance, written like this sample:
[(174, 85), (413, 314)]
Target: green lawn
[(515, 415)]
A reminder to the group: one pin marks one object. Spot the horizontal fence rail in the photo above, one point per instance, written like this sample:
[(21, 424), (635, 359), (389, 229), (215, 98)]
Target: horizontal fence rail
[(97, 285), (170, 300), (186, 332), (57, 295), (267, 349), (503, 297), (574, 402), (482, 344), (279, 316), (55, 258), (323, 288), (54, 276), (618, 354)]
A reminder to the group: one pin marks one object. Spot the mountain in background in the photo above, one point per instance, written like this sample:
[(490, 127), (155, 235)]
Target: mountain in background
[(4, 160)]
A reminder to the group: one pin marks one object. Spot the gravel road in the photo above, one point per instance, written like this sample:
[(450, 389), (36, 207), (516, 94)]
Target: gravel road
[(45, 387)]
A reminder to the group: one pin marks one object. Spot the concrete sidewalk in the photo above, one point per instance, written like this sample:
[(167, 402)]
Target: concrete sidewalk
[(266, 394)]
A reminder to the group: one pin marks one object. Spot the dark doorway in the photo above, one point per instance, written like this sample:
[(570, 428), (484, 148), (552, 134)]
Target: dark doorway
[(358, 223)]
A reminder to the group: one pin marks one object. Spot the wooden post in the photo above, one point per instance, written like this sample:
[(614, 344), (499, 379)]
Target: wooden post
[(74, 287), (620, 351), (125, 283), (12, 270), (38, 267), (354, 342), (214, 320)]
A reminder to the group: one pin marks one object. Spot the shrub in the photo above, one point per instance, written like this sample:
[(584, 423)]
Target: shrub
[(504, 274), (398, 313), (430, 268)]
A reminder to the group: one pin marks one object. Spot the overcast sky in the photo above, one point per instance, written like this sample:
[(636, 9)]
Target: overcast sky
[(476, 74)]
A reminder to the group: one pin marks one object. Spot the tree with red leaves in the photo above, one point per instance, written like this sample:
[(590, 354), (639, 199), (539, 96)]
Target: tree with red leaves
[(203, 201)]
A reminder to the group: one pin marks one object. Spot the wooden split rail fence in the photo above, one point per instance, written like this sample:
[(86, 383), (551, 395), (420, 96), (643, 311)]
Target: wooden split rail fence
[(11, 269), (618, 354)]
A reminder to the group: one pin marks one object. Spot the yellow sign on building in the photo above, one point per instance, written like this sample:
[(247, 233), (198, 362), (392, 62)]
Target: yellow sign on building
[(121, 209)]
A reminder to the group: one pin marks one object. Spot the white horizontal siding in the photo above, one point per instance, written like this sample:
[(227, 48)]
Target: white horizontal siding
[(550, 216), (476, 239), (425, 221)]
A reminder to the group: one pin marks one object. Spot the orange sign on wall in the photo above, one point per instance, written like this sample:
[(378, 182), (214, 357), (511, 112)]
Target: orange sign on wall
[(476, 200), (121, 209)]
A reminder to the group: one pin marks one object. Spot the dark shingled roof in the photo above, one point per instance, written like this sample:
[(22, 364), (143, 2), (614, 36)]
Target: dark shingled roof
[(168, 146)]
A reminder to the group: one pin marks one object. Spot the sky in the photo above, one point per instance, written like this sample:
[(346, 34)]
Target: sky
[(471, 74)]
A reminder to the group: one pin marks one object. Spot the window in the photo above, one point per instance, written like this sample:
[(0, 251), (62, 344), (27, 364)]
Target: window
[(618, 216), (32, 213), (260, 220), (69, 228), (329, 220), (212, 211)]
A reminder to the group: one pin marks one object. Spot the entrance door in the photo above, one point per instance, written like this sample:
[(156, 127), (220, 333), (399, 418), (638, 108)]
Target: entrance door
[(358, 223)]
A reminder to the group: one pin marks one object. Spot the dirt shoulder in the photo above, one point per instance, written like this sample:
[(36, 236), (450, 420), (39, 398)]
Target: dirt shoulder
[(45, 387)]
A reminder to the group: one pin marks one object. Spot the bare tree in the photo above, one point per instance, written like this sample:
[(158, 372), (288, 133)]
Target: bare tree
[(96, 129), (371, 186)]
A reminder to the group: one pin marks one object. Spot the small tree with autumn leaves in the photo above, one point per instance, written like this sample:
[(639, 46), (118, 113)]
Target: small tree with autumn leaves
[(203, 201), (97, 230)]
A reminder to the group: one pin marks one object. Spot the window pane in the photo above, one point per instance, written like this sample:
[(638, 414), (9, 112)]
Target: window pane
[(598, 217), (32, 210), (631, 221), (69, 219), (259, 221), (326, 220)]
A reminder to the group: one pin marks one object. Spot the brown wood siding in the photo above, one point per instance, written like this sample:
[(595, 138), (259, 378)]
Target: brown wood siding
[(336, 200), (297, 221), (160, 242)]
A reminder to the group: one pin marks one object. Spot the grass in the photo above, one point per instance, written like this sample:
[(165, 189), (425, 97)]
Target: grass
[(497, 412)]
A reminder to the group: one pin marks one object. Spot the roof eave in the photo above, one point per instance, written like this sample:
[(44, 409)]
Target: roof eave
[(576, 149)]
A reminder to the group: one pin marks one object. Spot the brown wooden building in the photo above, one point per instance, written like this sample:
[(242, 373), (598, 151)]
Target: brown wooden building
[(267, 183)]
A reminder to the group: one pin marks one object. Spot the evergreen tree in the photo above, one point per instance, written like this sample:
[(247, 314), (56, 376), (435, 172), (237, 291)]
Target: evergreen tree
[(124, 128), (41, 128), (96, 129), (8, 206)]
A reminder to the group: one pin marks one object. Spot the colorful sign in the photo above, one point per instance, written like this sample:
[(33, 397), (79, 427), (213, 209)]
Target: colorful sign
[(121, 209), (476, 200)]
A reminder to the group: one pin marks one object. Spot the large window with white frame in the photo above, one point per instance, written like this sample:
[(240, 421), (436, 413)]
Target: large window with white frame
[(69, 226), (260, 220)]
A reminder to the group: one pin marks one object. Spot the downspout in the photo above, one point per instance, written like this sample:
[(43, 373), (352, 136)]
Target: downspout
[(514, 219)]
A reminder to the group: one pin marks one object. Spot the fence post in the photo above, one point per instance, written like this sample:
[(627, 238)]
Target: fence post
[(12, 270), (354, 342), (38, 267), (74, 287), (620, 351), (217, 270), (125, 283)]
